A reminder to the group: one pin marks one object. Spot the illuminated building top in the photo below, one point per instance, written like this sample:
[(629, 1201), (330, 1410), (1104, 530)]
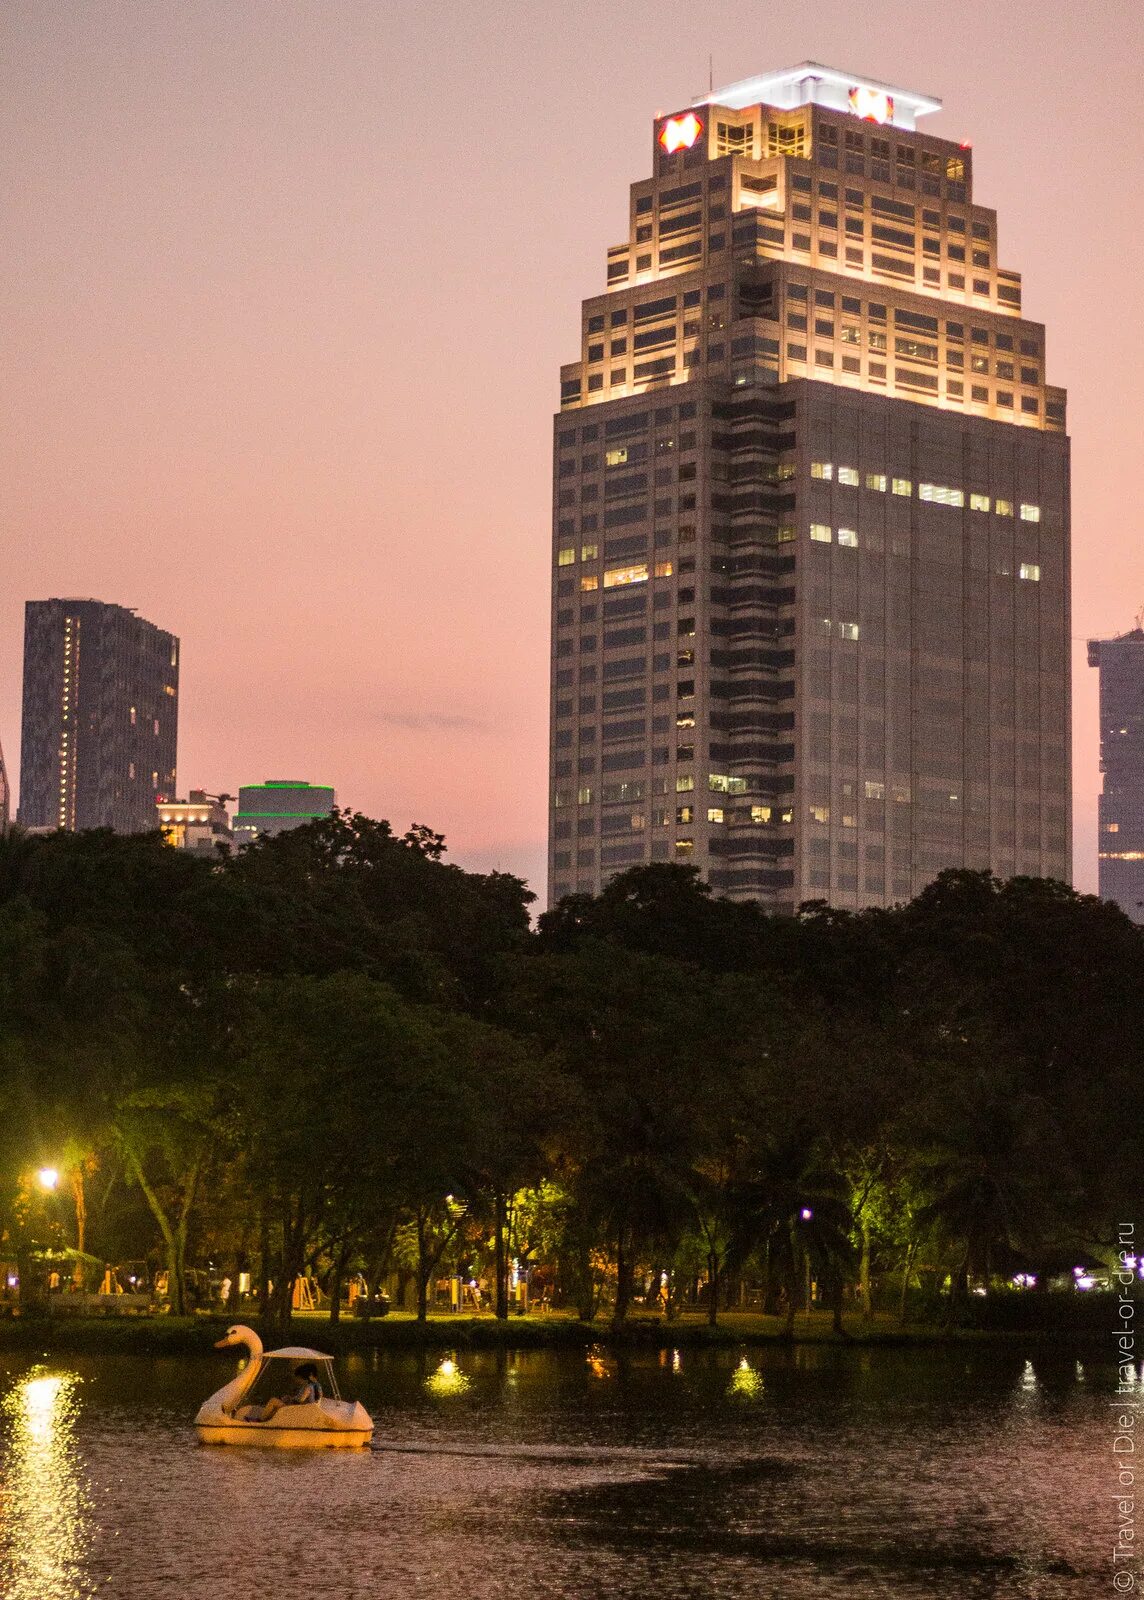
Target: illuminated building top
[(810, 83), (810, 539)]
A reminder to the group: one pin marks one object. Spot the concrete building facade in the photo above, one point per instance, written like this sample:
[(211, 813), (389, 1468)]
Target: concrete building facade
[(1121, 817), (279, 804), (810, 617), (100, 717), (200, 823)]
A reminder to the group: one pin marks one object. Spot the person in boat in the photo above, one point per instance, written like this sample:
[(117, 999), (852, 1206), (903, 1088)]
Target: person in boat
[(306, 1391)]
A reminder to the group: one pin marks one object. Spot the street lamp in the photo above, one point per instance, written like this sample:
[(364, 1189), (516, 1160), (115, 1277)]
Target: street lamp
[(48, 1178)]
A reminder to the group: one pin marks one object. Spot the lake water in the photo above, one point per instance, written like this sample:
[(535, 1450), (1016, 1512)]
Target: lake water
[(808, 1472)]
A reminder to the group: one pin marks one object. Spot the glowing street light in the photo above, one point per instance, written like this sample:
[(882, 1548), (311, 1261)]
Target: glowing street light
[(806, 1213), (47, 1178)]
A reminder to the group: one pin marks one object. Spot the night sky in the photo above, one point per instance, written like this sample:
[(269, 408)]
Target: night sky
[(286, 288)]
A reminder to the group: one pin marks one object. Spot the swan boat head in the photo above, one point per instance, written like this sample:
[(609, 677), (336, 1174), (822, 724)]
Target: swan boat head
[(229, 1397)]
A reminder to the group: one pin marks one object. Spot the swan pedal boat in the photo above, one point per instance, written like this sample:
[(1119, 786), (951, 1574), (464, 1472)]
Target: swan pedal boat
[(328, 1423)]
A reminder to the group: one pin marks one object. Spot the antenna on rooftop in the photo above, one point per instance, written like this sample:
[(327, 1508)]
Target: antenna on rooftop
[(710, 73)]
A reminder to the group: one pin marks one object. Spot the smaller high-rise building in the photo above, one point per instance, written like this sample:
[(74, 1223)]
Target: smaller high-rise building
[(279, 804), (200, 823), (1121, 818), (5, 794), (100, 717)]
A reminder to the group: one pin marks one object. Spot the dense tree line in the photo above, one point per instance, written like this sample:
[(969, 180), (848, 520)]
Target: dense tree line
[(335, 1053)]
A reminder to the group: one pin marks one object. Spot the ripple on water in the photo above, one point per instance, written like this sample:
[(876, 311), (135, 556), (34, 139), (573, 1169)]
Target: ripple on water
[(896, 1474)]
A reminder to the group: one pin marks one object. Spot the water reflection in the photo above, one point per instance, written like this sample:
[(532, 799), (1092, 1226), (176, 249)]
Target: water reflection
[(933, 1474), (44, 1528), (746, 1382), (448, 1380)]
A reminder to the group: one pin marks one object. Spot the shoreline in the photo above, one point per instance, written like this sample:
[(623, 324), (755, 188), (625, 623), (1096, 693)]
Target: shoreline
[(163, 1335)]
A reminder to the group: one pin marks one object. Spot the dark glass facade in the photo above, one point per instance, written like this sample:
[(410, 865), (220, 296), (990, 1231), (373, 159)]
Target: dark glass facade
[(5, 795), (1121, 819), (100, 717)]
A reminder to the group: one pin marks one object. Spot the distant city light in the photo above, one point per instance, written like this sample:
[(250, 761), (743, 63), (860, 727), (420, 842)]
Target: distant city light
[(806, 1213)]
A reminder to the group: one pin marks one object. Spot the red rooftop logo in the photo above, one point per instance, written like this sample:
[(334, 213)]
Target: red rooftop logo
[(872, 105), (680, 133)]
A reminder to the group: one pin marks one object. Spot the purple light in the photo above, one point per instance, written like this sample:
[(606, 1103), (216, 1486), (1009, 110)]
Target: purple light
[(806, 1213)]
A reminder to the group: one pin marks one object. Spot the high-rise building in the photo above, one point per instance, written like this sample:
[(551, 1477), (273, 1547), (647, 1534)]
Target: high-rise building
[(5, 794), (199, 824), (279, 804), (100, 725), (811, 519), (1121, 821)]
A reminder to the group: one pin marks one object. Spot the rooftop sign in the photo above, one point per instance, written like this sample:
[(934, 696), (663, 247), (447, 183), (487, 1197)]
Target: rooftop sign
[(810, 83), (680, 133)]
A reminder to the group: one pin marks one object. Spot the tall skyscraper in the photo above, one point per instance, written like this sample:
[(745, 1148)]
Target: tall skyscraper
[(811, 519), (1121, 828), (279, 804), (101, 707)]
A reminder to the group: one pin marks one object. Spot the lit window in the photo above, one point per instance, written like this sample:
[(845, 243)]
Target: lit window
[(684, 784), (820, 813), (1003, 508), (875, 791), (714, 813), (820, 532), (588, 584), (877, 481), (902, 486), (822, 469), (848, 475), (663, 569), (979, 502), (848, 537), (848, 630), (684, 846), (1030, 571), (616, 458), (564, 558), (617, 577), (760, 813), (941, 494), (589, 552), (785, 535), (1030, 513)]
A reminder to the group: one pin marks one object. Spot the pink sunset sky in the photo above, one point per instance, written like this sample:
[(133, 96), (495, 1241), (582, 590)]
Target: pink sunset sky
[(287, 287)]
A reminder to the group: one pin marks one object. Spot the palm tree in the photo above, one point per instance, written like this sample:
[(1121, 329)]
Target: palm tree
[(804, 1211), (986, 1178)]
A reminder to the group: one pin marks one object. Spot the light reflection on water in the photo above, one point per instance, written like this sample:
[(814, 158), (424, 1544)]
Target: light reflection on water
[(44, 1531), (913, 1474)]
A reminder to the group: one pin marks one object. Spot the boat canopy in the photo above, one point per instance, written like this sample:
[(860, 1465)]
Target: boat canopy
[(295, 1352)]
